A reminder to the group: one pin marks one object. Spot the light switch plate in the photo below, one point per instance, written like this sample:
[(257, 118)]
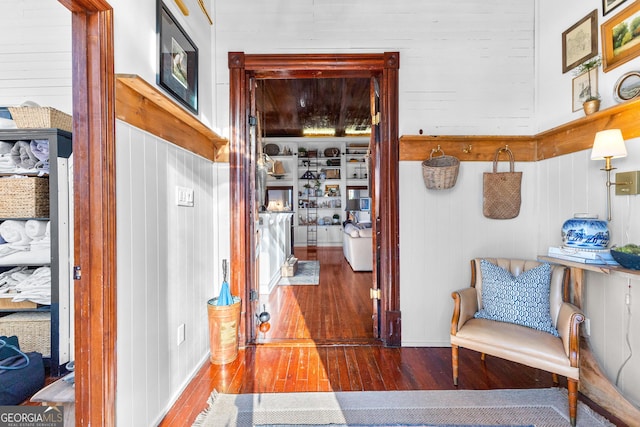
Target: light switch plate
[(184, 196), (180, 337), (627, 183)]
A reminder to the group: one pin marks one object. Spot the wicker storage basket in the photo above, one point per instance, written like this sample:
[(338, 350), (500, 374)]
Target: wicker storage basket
[(32, 329), (24, 197), (440, 173), (40, 117)]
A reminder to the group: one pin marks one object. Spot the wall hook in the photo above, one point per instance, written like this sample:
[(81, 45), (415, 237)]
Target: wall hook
[(468, 149)]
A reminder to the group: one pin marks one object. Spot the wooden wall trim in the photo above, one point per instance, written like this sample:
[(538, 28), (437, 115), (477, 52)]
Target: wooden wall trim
[(469, 148), (94, 212), (145, 107), (243, 68), (578, 135), (568, 138)]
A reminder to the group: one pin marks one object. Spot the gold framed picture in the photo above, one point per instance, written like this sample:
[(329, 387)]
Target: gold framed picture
[(621, 37)]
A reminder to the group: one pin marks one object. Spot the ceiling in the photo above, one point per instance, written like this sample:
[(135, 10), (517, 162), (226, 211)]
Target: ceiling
[(314, 107)]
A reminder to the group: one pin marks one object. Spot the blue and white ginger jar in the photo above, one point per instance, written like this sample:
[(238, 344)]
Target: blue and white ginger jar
[(585, 231)]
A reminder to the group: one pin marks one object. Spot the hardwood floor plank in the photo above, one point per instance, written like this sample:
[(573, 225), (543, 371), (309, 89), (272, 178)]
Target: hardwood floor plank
[(337, 309), (321, 339), (302, 379)]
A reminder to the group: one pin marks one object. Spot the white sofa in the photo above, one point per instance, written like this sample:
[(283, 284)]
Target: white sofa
[(357, 249)]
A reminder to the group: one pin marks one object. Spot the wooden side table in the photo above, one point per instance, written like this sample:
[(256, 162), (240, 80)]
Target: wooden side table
[(593, 383), (60, 393)]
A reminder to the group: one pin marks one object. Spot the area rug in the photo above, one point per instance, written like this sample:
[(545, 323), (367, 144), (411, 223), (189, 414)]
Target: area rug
[(308, 274), (539, 407)]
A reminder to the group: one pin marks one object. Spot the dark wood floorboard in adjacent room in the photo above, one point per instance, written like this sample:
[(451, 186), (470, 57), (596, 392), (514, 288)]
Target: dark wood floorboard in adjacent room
[(321, 339)]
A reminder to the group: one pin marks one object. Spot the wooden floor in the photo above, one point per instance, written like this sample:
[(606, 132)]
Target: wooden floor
[(319, 353), (337, 310)]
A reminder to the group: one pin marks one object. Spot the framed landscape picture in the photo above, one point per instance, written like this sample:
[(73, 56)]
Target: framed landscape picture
[(178, 60), (580, 42), (609, 5), (621, 37)]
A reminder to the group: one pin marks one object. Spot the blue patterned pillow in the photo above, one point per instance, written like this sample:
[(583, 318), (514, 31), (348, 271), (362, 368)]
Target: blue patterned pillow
[(523, 300)]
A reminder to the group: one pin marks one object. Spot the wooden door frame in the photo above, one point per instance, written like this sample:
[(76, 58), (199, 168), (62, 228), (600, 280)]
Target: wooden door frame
[(94, 211), (242, 67)]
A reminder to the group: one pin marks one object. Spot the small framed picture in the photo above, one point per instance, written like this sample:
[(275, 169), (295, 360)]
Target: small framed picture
[(178, 60), (620, 37), (365, 204), (580, 42), (627, 87), (583, 86), (609, 5)]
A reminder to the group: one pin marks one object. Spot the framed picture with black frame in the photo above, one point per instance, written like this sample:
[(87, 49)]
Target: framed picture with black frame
[(609, 5), (178, 60)]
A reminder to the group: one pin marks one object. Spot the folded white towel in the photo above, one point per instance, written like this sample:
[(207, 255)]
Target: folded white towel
[(8, 249), (6, 146), (13, 231), (34, 287), (22, 155), (35, 229), (6, 279)]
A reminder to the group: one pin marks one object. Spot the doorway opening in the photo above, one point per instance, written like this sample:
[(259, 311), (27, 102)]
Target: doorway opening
[(382, 70)]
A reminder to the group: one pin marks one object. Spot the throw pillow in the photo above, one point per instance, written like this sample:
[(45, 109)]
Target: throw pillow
[(352, 230), (365, 232), (523, 299)]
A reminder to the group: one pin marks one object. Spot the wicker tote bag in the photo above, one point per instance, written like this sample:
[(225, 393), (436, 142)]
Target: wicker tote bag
[(501, 190)]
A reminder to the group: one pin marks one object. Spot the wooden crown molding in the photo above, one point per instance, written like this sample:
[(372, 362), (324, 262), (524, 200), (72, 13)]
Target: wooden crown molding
[(144, 106), (568, 138)]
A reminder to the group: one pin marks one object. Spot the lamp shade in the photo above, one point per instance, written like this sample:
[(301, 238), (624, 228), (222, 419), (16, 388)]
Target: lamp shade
[(608, 143)]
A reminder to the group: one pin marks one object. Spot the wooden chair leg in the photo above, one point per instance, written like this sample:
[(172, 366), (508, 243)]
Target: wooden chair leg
[(454, 363), (573, 400), (555, 380)]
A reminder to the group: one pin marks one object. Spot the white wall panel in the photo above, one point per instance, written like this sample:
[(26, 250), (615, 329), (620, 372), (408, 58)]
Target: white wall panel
[(35, 53), (554, 89), (136, 52), (465, 67), (574, 183), (167, 270), (440, 232)]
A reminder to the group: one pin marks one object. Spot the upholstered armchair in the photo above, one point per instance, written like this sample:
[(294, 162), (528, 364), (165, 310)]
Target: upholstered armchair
[(517, 310)]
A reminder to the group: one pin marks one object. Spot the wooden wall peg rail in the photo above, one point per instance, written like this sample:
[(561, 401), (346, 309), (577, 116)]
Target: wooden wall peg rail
[(568, 138)]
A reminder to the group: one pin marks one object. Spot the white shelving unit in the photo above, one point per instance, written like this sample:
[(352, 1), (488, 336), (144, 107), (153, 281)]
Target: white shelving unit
[(319, 170), (60, 310)]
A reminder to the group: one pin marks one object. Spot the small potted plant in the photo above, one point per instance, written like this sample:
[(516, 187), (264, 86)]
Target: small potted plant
[(591, 103)]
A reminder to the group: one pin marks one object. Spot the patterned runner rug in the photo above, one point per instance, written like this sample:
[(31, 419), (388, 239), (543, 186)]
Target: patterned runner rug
[(540, 407), (308, 274)]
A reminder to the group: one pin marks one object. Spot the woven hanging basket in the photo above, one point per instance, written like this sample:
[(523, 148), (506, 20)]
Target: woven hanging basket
[(441, 172)]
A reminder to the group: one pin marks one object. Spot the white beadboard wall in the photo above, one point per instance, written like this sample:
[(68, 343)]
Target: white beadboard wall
[(574, 183), (440, 231), (35, 53), (169, 259), (466, 67)]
